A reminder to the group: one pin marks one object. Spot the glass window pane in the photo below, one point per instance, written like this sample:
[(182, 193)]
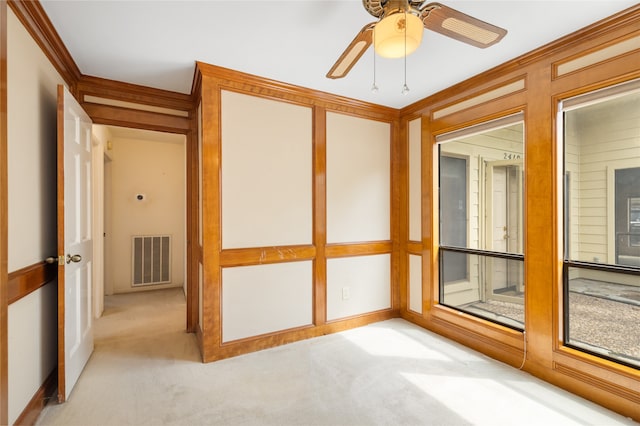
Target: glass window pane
[(602, 181), (604, 313), (481, 190), (602, 222), (493, 288)]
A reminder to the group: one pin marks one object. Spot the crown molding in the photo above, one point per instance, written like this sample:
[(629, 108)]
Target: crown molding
[(628, 18)]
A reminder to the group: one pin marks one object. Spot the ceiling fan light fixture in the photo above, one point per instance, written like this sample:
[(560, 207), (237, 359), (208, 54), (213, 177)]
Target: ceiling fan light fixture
[(389, 35)]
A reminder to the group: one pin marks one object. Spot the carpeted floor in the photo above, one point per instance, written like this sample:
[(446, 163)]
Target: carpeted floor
[(146, 371)]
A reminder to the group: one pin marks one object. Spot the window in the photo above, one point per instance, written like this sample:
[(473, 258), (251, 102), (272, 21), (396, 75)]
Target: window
[(481, 221), (602, 223)]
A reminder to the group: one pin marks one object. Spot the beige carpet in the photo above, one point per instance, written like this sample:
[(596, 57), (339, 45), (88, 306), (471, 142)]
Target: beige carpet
[(146, 371)]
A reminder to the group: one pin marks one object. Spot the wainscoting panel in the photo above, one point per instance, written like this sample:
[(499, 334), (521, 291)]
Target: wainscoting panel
[(265, 298), (358, 285)]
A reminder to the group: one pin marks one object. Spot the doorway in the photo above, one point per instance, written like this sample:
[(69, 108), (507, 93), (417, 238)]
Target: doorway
[(504, 183), (143, 183)]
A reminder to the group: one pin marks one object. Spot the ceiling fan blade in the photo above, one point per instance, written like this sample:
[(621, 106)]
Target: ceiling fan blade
[(460, 26), (352, 53)]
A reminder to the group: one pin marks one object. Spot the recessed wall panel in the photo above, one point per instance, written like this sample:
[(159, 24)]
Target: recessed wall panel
[(358, 285), (415, 180), (358, 179), (266, 172), (265, 298), (415, 283)]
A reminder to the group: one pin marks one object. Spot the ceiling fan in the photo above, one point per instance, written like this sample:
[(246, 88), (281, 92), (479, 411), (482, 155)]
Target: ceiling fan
[(398, 31)]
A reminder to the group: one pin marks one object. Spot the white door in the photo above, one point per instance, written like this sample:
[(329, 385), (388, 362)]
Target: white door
[(504, 192), (75, 245), (498, 268)]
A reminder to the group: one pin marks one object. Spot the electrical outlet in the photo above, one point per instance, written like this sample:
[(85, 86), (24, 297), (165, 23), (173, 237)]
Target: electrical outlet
[(346, 293)]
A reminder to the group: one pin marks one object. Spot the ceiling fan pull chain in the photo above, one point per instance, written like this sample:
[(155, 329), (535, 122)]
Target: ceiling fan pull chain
[(405, 88), (374, 86)]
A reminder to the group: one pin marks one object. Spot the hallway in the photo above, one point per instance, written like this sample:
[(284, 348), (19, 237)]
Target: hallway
[(146, 371)]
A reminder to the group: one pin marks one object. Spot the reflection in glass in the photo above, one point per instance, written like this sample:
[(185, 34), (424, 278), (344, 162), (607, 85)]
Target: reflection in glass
[(602, 161), (481, 190), (602, 222), (494, 290), (604, 309), (481, 197)]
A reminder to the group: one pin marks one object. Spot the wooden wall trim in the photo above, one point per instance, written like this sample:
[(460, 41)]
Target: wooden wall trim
[(193, 223), (37, 23), (4, 382), (211, 209), (320, 215), (239, 347), (266, 255), (40, 399), (336, 250), (124, 117), (27, 280), (127, 92), (260, 86)]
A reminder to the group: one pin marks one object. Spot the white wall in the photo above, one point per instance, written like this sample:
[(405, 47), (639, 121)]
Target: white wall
[(358, 179), (154, 167), (266, 298), (358, 285), (266, 172), (32, 93), (415, 283), (100, 138)]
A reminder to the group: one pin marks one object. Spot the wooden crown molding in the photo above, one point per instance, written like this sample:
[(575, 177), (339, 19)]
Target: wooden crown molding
[(627, 17), (128, 92), (37, 23), (292, 92)]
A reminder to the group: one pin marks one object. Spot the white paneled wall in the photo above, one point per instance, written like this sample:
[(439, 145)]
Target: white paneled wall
[(266, 298), (415, 283), (267, 201), (357, 285), (358, 179), (266, 172)]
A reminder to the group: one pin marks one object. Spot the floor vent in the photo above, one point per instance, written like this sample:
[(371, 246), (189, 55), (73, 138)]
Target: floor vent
[(151, 259)]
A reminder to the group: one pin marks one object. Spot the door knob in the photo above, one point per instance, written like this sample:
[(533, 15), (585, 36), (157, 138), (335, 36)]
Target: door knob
[(75, 258)]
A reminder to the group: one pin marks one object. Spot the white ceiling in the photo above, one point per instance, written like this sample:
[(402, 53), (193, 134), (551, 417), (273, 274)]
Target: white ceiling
[(156, 42)]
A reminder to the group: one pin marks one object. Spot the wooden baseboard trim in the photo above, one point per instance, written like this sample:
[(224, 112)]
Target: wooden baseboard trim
[(253, 344), (40, 399), (27, 280)]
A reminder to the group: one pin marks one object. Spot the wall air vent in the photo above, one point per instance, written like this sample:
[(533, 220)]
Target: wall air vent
[(151, 260)]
